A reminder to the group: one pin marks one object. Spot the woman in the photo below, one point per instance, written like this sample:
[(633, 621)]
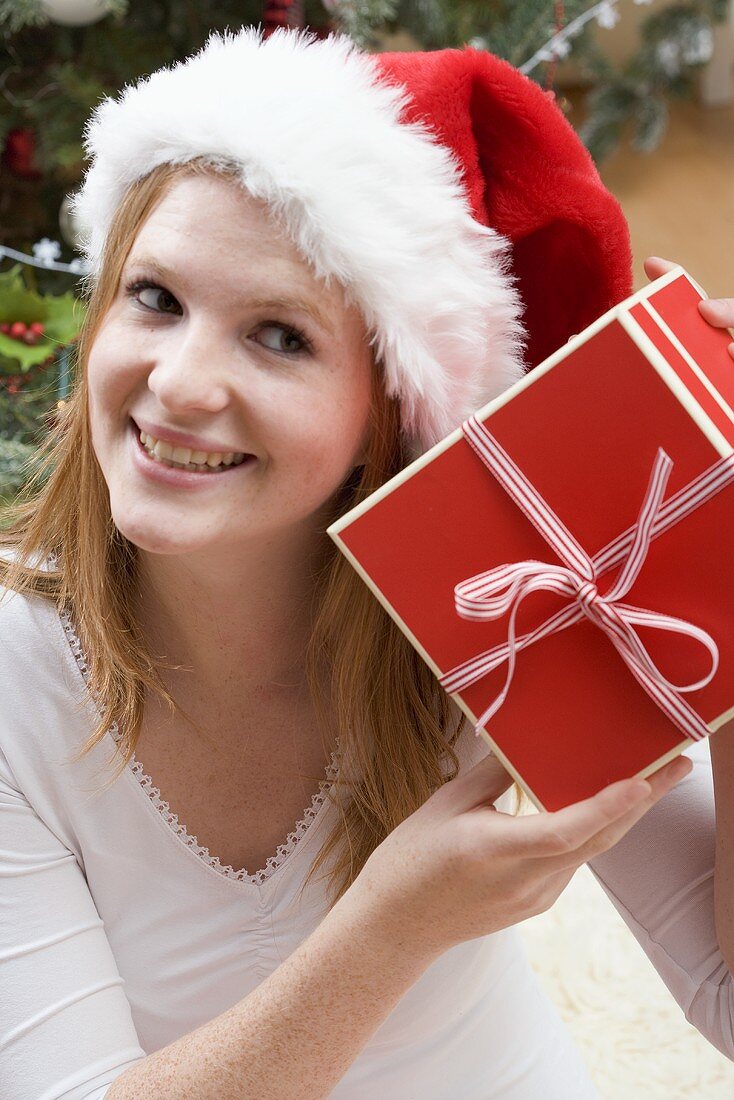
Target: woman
[(187, 608)]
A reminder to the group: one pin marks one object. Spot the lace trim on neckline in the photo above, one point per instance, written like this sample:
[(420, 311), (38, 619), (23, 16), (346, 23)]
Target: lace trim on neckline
[(282, 852)]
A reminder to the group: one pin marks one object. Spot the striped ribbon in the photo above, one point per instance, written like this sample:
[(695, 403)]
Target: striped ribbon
[(488, 595)]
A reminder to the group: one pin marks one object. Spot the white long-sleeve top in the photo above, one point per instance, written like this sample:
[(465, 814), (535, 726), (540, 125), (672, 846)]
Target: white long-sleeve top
[(119, 933)]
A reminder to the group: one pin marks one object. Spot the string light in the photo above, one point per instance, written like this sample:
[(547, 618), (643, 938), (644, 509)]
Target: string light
[(559, 46), (45, 256)]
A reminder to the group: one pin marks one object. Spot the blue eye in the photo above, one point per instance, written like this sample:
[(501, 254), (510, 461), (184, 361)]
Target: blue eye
[(290, 334), (133, 290)]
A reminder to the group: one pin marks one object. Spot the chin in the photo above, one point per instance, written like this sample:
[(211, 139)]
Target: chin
[(155, 536)]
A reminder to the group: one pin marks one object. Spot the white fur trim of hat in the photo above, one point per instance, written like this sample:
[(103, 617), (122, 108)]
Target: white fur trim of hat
[(367, 198)]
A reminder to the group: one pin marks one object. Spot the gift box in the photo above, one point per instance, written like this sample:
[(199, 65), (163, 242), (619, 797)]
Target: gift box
[(564, 560)]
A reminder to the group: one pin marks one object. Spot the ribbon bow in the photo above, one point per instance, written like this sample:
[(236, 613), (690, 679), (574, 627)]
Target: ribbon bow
[(488, 595)]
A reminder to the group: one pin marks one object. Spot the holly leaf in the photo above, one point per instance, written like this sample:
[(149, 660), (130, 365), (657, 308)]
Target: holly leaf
[(61, 315), (17, 357)]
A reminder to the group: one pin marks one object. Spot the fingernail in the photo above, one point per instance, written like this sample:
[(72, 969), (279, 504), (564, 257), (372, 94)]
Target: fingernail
[(676, 772), (681, 767), (637, 791)]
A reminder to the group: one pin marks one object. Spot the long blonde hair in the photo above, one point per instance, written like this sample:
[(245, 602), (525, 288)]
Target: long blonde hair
[(395, 721)]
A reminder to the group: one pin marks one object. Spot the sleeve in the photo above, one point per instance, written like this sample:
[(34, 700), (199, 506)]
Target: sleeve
[(66, 1029), (660, 878)]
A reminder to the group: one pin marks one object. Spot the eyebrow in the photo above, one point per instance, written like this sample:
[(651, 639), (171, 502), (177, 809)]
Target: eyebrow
[(305, 305)]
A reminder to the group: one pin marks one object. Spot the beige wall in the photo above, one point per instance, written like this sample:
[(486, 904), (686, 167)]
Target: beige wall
[(716, 83), (618, 42), (621, 42)]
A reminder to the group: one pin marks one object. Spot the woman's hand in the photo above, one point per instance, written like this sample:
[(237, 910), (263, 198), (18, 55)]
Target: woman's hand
[(719, 312), (458, 868)]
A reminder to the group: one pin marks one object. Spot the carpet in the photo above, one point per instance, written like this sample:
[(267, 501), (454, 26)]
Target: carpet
[(631, 1033)]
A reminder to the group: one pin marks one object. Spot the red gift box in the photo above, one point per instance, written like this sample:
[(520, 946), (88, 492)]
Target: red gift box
[(627, 430)]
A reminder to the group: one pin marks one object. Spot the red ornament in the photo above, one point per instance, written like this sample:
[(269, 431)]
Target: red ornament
[(281, 13), (19, 152)]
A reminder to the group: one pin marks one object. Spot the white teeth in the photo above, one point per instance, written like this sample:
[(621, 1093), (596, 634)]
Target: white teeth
[(163, 450), (184, 458)]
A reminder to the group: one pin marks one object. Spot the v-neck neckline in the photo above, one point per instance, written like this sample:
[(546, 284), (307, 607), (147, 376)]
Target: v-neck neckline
[(169, 818)]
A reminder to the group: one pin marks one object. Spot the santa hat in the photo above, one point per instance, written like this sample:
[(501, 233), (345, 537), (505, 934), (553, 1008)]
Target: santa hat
[(445, 190)]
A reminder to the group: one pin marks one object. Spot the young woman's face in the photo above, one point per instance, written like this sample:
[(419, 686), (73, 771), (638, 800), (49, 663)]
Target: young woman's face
[(237, 349)]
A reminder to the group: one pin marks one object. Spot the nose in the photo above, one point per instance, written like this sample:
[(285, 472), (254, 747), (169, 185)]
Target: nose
[(190, 372)]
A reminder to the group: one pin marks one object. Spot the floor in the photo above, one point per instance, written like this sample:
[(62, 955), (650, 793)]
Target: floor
[(679, 202)]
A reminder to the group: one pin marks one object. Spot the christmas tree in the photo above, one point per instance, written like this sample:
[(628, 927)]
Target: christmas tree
[(61, 57)]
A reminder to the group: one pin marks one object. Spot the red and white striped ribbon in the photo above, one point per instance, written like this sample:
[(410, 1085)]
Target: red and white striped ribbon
[(488, 595)]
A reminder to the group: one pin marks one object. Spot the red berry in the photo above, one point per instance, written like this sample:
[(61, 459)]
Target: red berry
[(18, 329), (31, 337), (5, 327), (37, 326)]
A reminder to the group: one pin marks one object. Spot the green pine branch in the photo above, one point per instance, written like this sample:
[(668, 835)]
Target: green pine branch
[(54, 76)]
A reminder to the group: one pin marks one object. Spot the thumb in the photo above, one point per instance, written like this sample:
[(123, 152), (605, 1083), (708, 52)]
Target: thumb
[(655, 266), (480, 785)]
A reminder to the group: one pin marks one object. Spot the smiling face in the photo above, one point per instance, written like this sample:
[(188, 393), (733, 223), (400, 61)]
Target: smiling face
[(236, 349)]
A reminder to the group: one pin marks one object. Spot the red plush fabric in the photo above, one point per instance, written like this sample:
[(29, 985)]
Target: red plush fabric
[(529, 176)]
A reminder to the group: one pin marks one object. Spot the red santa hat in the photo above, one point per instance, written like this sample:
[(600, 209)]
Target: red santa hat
[(445, 191)]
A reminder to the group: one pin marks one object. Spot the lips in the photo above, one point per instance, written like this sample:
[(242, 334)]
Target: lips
[(181, 439), (179, 475)]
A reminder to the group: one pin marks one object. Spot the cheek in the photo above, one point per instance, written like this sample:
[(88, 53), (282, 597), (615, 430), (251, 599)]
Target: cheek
[(336, 426), (354, 401), (316, 447), (111, 380), (111, 376)]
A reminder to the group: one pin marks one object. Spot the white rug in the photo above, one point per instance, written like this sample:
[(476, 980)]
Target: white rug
[(633, 1036)]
